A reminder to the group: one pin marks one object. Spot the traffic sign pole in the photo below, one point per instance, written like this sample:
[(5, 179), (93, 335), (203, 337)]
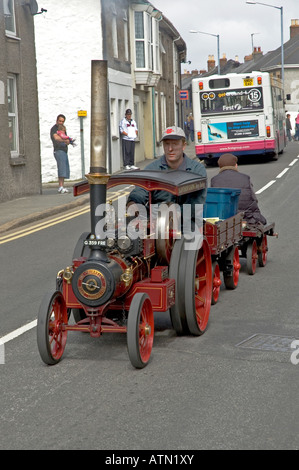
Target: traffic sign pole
[(82, 114)]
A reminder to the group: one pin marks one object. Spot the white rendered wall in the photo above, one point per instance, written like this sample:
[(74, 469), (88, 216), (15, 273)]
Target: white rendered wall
[(68, 37)]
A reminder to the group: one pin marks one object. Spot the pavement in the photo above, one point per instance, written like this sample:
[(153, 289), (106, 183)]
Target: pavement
[(29, 209)]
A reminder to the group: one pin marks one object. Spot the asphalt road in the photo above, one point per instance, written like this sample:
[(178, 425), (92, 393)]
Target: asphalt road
[(208, 392)]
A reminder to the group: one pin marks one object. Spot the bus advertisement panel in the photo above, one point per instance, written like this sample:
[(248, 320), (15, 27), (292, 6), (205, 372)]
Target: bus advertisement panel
[(239, 113)]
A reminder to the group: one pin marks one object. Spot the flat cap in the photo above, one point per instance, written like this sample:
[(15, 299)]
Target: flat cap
[(227, 159)]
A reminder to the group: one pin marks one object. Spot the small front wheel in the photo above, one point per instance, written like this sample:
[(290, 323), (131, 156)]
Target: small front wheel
[(51, 334), (140, 330)]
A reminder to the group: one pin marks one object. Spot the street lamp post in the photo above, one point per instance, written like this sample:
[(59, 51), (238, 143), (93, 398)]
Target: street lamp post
[(218, 45), (281, 30)]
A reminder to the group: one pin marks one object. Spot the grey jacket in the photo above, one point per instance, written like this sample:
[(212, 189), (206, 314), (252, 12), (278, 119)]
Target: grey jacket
[(229, 177), (140, 196)]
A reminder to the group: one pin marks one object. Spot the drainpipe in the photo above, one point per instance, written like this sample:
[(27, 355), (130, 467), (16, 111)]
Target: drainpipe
[(154, 120), (154, 108), (179, 83)]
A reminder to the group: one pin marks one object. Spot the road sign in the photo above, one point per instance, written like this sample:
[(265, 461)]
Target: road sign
[(82, 113), (184, 94)]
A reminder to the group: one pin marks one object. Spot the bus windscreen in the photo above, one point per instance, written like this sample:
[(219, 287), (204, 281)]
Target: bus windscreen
[(234, 101)]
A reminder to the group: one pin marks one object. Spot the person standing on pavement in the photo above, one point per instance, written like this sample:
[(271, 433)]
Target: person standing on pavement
[(129, 132), (186, 129), (288, 127), (60, 148), (296, 137), (191, 126)]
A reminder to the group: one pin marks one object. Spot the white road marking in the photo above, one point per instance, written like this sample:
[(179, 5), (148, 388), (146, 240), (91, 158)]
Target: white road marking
[(282, 173), (265, 187), (20, 331)]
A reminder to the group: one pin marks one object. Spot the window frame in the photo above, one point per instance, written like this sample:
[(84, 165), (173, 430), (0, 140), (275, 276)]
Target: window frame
[(12, 93), (114, 31), (8, 30), (126, 35), (150, 40)]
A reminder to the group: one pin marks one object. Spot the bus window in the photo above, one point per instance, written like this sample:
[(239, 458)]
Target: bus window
[(219, 83)]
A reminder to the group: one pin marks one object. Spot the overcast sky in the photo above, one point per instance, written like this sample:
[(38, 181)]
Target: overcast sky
[(233, 20)]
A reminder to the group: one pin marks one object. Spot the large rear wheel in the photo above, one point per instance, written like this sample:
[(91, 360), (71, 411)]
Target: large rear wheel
[(177, 271), (198, 289)]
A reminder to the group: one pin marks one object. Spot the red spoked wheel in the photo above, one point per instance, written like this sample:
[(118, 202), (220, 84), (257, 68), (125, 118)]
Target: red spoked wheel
[(263, 251), (216, 282), (252, 256), (51, 334), (198, 289), (177, 271), (231, 281), (140, 330)]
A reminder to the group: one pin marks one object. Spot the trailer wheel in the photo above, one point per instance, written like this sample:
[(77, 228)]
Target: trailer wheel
[(231, 281), (198, 288), (252, 256), (140, 330), (51, 335), (263, 251), (216, 282), (177, 271)]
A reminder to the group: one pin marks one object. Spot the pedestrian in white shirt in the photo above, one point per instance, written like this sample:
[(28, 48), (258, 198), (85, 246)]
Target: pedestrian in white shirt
[(129, 132)]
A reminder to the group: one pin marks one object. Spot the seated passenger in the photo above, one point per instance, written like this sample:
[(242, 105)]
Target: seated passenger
[(230, 177)]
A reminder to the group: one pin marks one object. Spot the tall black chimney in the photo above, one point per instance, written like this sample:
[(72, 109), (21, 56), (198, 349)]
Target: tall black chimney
[(98, 176)]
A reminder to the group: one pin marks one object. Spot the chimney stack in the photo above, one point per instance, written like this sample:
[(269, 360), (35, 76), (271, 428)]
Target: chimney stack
[(223, 61), (257, 53), (211, 63), (294, 28)]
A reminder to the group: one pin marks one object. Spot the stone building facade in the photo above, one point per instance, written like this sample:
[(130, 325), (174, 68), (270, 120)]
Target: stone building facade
[(19, 123)]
